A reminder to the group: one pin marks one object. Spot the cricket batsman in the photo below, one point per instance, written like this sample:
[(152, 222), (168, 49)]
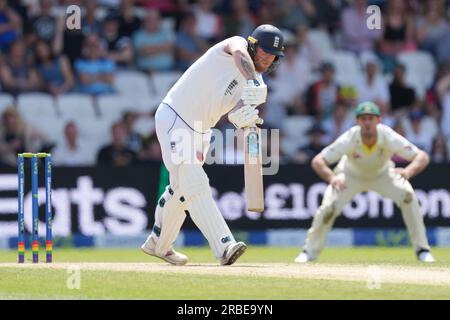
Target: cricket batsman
[(364, 154), (225, 80)]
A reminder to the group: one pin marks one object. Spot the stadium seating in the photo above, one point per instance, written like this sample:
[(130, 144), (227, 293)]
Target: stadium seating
[(348, 68), (76, 106), (96, 131), (321, 40), (112, 107), (294, 133), (420, 70), (6, 101), (147, 103), (145, 126), (39, 110), (367, 56), (132, 83), (161, 82), (40, 105)]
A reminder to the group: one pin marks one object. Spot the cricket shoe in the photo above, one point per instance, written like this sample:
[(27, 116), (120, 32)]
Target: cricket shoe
[(303, 258), (232, 253), (171, 256), (425, 256)]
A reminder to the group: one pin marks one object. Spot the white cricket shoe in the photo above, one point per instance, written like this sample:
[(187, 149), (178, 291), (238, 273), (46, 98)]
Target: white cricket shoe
[(425, 256), (303, 258), (171, 256), (232, 253)]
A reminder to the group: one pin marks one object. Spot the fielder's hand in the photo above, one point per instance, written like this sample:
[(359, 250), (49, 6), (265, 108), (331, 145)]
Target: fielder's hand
[(254, 93), (404, 173), (245, 116), (337, 183)]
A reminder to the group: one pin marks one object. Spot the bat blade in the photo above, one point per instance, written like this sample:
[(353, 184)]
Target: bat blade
[(253, 176)]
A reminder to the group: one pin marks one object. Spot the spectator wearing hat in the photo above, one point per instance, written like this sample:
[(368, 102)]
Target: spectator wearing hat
[(316, 143), (119, 48), (402, 96), (322, 96)]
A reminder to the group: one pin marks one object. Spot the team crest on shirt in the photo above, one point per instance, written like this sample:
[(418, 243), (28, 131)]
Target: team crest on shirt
[(233, 84), (356, 155)]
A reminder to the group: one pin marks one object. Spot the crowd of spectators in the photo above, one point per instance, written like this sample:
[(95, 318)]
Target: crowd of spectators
[(38, 53)]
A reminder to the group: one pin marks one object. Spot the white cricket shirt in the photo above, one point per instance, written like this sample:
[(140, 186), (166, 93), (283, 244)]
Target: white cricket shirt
[(357, 159), (210, 88)]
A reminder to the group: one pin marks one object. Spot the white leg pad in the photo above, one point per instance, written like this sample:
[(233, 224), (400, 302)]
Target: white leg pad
[(194, 185), (171, 216), (159, 211)]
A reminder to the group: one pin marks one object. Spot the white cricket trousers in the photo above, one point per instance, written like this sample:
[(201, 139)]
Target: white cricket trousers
[(390, 185), (184, 151), (178, 141)]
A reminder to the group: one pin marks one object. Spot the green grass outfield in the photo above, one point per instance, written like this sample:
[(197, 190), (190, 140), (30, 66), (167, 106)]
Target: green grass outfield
[(262, 273)]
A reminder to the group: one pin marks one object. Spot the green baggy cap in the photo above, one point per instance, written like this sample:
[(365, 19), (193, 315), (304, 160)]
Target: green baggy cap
[(367, 107)]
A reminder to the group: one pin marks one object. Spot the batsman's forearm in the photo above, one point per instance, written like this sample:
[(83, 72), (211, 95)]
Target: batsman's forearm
[(419, 163), (245, 64), (322, 169)]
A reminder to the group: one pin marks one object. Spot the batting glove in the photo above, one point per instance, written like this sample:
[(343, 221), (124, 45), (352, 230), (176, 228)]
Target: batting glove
[(254, 93), (246, 116)]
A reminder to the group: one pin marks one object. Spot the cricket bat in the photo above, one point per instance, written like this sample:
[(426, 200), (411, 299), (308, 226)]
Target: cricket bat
[(253, 169)]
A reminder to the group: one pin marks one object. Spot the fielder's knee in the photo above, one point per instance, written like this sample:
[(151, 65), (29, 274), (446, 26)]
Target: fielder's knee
[(328, 212), (408, 197)]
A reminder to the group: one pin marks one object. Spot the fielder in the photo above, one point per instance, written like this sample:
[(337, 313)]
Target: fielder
[(364, 154), (225, 80)]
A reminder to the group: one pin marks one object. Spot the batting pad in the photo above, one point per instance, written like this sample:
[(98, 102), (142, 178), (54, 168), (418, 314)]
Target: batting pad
[(194, 185), (159, 209), (170, 215)]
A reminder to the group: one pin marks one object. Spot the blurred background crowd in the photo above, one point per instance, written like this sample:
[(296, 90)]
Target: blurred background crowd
[(89, 95)]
